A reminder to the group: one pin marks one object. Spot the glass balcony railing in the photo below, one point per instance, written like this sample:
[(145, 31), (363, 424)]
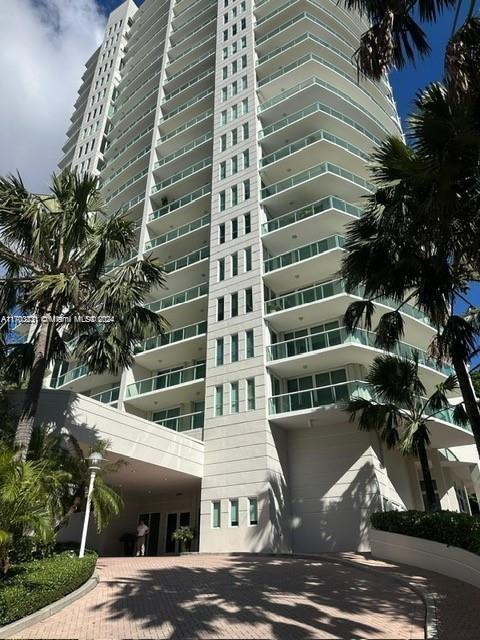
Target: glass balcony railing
[(303, 253), (315, 172), (187, 422), (184, 150), (340, 336), (187, 261), (198, 98), (337, 394), (178, 335), (178, 232), (193, 32), (144, 152), (133, 253), (181, 175), (180, 202), (317, 107), (166, 380), (107, 397), (190, 49), (131, 203), (331, 202), (179, 298), (193, 19), (191, 123), (121, 151), (199, 60), (311, 82), (325, 290), (128, 183), (69, 376), (302, 143), (134, 124), (190, 83)]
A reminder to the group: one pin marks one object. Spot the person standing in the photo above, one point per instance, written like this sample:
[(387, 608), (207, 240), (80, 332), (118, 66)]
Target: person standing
[(142, 531)]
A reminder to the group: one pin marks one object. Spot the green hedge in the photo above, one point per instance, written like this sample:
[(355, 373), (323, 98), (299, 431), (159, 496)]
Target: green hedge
[(452, 528), (29, 586)]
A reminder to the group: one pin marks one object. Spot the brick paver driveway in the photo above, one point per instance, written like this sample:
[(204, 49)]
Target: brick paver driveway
[(236, 597)]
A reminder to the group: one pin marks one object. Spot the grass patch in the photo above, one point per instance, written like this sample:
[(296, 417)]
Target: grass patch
[(454, 529), (29, 586)]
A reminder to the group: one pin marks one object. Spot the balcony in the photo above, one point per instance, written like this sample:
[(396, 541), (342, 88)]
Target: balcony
[(172, 307), (182, 232), (194, 171), (186, 422), (188, 205), (334, 212), (178, 268), (183, 385), (322, 258), (338, 347), (195, 151), (314, 184), (312, 407), (69, 376), (131, 255), (180, 344), (107, 397), (182, 135)]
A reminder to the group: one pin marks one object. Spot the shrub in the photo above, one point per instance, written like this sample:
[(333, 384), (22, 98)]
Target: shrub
[(452, 528), (32, 585)]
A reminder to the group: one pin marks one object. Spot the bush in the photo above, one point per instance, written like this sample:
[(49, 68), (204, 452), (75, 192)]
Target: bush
[(32, 585), (452, 528)]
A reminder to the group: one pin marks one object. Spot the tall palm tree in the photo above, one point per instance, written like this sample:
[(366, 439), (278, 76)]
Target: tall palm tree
[(54, 251), (396, 38), (423, 221), (399, 412)]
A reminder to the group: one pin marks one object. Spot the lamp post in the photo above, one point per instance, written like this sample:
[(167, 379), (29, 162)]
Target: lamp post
[(94, 463)]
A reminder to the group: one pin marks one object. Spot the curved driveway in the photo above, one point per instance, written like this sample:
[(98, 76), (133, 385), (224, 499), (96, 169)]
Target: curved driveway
[(201, 596)]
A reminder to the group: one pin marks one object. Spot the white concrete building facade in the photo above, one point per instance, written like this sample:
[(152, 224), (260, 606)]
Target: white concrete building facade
[(236, 134)]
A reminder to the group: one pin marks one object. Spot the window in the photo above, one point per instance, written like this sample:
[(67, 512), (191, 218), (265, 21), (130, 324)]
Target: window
[(224, 94), (248, 300), (244, 42), (224, 73), (234, 88), (220, 352), (244, 61), (252, 511), (221, 269), (234, 12), (223, 118), (246, 159), (234, 224), (234, 348), (245, 131), (223, 142), (234, 195), (246, 189), (225, 18), (234, 403), (424, 494), (220, 308), (219, 401), (248, 259), (216, 514), (234, 513), (234, 304), (249, 344), (234, 136), (225, 53), (234, 30), (222, 200), (234, 112), (234, 48), (234, 264), (221, 233), (234, 162), (225, 35), (243, 23), (223, 170), (247, 223), (244, 106), (234, 66)]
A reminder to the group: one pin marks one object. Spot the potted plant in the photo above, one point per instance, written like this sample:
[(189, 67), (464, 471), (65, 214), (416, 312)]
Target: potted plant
[(184, 536)]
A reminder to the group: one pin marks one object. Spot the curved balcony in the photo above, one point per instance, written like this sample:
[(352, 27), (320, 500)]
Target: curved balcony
[(185, 202), (178, 233), (186, 422), (193, 170), (186, 149), (301, 409), (277, 232), (177, 345), (334, 348), (69, 376), (172, 307), (107, 397), (181, 386), (182, 135), (320, 258), (181, 268)]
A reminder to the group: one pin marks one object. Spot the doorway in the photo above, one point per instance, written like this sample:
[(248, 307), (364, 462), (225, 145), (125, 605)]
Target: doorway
[(152, 520), (175, 520)]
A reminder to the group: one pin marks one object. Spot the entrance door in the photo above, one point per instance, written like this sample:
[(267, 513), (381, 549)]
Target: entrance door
[(152, 520), (175, 520)]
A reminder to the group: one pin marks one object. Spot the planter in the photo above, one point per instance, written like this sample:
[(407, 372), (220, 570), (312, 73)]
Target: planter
[(426, 554)]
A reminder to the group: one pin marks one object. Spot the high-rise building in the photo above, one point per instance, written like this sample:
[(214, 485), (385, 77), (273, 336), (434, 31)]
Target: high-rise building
[(236, 134)]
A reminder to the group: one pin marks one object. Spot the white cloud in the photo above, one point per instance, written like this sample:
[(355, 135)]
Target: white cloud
[(43, 50)]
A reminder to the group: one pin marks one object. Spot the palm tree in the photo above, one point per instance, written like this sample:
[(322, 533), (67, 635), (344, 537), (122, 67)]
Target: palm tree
[(396, 38), (54, 252), (423, 221), (399, 412)]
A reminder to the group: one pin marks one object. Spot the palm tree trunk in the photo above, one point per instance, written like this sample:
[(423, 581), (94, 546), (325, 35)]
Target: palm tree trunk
[(427, 478), (32, 393), (470, 401)]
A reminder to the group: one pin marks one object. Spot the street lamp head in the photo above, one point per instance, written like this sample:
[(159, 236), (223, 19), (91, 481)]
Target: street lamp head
[(95, 460)]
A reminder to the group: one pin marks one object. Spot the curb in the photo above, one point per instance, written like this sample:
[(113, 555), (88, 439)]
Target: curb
[(9, 630)]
